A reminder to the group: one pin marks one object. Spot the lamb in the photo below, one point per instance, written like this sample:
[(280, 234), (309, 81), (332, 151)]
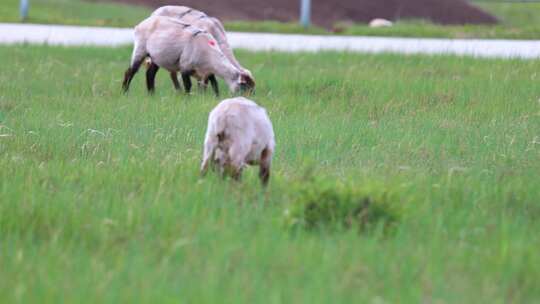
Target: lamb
[(239, 133), (211, 25), (177, 46)]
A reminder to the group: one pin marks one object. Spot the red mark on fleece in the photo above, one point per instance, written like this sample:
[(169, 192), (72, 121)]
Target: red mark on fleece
[(212, 43)]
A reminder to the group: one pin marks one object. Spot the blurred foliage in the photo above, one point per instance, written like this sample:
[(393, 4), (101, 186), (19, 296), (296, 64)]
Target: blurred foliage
[(323, 203)]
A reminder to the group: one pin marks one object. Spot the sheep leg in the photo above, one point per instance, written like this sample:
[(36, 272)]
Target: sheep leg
[(174, 78), (264, 167), (186, 78), (151, 77), (214, 83), (137, 58), (237, 155), (204, 166), (202, 85), (237, 174), (128, 75), (210, 146)]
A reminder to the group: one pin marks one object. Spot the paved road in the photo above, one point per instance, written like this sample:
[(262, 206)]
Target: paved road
[(100, 36)]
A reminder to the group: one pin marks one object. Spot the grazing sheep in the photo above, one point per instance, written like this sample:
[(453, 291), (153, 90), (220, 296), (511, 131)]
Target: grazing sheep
[(211, 25), (239, 133), (180, 47)]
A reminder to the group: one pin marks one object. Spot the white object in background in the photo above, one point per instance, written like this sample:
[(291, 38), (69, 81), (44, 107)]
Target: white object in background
[(379, 22)]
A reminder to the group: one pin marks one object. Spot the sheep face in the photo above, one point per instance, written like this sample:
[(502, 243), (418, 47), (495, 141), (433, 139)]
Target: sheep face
[(247, 83), (243, 84)]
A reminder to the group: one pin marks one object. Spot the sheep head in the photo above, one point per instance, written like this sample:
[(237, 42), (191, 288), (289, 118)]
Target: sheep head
[(247, 83)]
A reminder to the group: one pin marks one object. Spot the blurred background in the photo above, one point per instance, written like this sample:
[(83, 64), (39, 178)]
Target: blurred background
[(409, 18)]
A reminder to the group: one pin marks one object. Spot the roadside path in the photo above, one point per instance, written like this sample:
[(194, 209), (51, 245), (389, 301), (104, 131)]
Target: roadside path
[(103, 36)]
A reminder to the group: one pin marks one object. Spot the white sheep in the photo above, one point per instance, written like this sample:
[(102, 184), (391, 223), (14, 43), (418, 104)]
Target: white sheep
[(211, 25), (180, 47), (239, 133)]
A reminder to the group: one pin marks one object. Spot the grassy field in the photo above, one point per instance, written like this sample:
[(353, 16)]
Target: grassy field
[(518, 20), (75, 12), (101, 202)]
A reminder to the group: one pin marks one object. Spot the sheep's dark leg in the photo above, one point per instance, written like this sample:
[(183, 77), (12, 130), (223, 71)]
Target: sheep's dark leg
[(130, 72), (214, 83), (264, 167), (264, 175), (186, 78), (174, 78), (203, 85), (151, 77), (236, 174)]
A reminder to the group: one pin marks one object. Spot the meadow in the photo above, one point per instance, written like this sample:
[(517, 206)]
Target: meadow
[(75, 12), (101, 200)]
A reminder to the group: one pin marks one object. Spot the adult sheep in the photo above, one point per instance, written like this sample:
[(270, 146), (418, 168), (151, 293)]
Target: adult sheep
[(239, 133), (180, 47), (211, 25)]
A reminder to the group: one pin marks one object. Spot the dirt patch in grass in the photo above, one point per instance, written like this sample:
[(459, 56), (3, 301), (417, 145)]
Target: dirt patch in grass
[(328, 13)]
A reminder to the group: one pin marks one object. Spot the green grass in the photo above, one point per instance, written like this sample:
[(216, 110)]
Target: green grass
[(518, 20), (75, 12), (101, 202), (517, 14), (419, 28)]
